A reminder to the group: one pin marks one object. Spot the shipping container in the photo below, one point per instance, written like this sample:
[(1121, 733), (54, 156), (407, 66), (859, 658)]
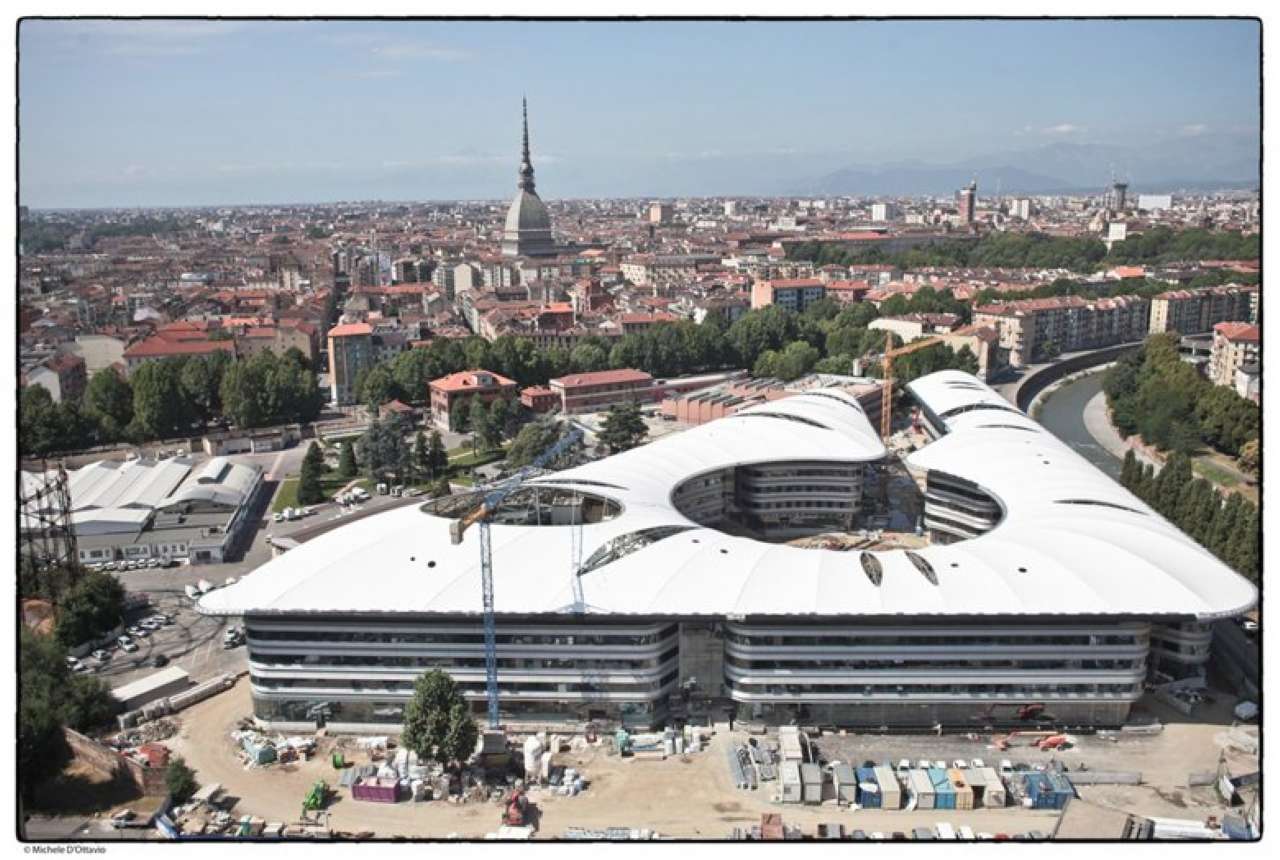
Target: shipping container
[(869, 795), (792, 788), (944, 795), (846, 783), (964, 794), (890, 788), (922, 788), (945, 831), (994, 794), (789, 744), (811, 776), (977, 784)]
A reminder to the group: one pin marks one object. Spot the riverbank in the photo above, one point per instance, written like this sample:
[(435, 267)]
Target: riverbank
[(1097, 420)]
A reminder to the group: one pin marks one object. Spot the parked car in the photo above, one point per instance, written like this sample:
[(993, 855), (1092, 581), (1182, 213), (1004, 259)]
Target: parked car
[(102, 655), (159, 661), (74, 665), (138, 632), (127, 644), (977, 763), (277, 517), (904, 765), (413, 491), (960, 764), (153, 562)]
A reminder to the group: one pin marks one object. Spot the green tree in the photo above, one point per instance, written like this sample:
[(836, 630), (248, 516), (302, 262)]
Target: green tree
[(180, 780), (42, 746), (441, 488), (378, 387), (160, 408), (200, 382), (588, 357), (437, 455), (91, 607), (534, 438), (478, 421), (108, 401), (623, 428), (309, 489), (421, 456), (347, 460), (1250, 459), (438, 725)]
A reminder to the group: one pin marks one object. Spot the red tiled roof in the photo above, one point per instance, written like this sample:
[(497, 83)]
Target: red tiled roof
[(1239, 331), (602, 377), (158, 347), (471, 380), (350, 330)]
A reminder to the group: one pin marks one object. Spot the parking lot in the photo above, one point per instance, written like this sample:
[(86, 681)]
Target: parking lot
[(193, 642)]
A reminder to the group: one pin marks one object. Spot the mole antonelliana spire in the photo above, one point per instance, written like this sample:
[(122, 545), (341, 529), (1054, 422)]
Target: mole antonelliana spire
[(527, 232)]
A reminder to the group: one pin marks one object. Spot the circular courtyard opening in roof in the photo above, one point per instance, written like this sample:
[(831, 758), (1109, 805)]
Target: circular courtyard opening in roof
[(532, 505)]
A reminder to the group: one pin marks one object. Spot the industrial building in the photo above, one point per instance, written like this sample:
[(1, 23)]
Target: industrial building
[(138, 510), (1044, 582)]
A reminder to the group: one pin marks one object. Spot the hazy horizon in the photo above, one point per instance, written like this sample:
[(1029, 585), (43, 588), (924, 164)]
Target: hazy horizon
[(174, 114)]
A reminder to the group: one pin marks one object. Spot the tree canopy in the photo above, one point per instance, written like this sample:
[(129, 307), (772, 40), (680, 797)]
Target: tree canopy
[(438, 725)]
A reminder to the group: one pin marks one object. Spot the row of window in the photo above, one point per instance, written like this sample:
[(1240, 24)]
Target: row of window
[(927, 664), (1031, 690), (477, 688), (314, 634), (979, 638), (504, 663)]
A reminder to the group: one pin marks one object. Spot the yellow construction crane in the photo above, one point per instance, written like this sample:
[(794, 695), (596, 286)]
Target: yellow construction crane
[(886, 392)]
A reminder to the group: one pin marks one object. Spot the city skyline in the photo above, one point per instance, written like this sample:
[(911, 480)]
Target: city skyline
[(180, 114)]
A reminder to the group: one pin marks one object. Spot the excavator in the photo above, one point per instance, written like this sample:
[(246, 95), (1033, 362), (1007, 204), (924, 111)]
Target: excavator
[(1041, 740), (316, 798)]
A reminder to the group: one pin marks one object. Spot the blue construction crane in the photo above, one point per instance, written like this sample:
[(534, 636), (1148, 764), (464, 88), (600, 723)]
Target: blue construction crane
[(482, 514)]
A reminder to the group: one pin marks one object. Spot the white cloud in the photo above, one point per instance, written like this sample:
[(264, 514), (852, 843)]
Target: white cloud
[(1193, 130), (1063, 128), (379, 46), (140, 38)]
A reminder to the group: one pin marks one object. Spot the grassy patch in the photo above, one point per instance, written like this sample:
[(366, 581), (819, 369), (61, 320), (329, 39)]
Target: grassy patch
[(1215, 473), (287, 497)]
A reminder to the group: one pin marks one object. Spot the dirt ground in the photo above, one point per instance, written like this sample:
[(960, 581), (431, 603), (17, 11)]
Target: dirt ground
[(692, 796)]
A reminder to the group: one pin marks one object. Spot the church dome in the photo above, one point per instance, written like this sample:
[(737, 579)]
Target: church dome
[(527, 212)]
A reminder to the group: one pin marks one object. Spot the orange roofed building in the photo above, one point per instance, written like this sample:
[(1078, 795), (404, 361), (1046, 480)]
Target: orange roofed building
[(455, 391)]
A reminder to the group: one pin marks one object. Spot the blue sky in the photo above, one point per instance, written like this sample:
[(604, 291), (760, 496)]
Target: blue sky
[(192, 112)]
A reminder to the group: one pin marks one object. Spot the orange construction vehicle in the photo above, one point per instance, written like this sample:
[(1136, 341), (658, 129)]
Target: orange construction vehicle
[(517, 811), (1039, 740)]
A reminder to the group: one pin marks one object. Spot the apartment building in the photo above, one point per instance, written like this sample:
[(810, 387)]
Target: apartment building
[(350, 351), (1036, 329), (793, 294), (1234, 345), (1194, 311), (593, 392), (453, 393)]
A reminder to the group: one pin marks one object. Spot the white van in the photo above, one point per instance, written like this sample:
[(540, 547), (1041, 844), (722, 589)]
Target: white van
[(945, 831)]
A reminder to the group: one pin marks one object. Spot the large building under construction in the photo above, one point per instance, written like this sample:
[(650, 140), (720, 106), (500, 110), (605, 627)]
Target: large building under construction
[(1036, 580)]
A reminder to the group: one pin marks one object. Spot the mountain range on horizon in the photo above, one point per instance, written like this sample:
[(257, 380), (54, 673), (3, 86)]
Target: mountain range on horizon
[(1194, 163)]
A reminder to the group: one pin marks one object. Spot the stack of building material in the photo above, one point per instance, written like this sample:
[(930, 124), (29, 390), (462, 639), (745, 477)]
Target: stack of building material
[(944, 794), (811, 777), (964, 794), (790, 744), (846, 783), (993, 792), (735, 768), (922, 787), (890, 791), (771, 829), (792, 787)]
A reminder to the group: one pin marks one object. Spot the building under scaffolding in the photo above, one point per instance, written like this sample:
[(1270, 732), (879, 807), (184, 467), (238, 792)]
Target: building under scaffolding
[(46, 541)]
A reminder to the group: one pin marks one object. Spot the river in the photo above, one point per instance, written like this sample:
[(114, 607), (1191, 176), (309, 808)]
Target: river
[(1062, 412)]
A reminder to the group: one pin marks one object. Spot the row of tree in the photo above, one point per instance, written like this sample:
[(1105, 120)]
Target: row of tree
[(171, 397), (835, 335), (1155, 394), (1041, 251), (1230, 529)]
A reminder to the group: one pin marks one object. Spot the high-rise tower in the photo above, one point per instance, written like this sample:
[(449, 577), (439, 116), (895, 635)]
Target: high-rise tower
[(527, 232)]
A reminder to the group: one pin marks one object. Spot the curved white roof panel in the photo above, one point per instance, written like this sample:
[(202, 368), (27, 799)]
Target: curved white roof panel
[(1050, 555)]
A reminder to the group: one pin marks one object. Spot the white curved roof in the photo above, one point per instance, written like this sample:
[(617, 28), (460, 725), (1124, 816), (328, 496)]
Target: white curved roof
[(1043, 559)]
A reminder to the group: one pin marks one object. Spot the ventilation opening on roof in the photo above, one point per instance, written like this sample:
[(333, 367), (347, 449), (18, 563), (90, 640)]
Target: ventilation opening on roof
[(579, 481), (1099, 504), (975, 406), (624, 545), (924, 567), (1007, 427), (796, 418), (852, 404), (871, 567), (971, 385)]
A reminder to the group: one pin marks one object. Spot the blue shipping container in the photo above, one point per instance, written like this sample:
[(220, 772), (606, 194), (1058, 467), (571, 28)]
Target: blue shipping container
[(944, 793), (868, 799)]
